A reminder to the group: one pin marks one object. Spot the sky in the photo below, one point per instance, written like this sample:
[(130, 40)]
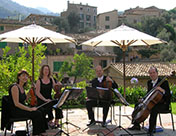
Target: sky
[(58, 6)]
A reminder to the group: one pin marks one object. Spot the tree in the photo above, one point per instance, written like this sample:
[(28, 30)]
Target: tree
[(147, 53), (73, 20), (11, 64), (169, 52), (118, 52), (170, 29), (81, 67), (62, 24)]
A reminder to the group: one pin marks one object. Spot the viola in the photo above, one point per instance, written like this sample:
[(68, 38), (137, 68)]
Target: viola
[(33, 98), (57, 89)]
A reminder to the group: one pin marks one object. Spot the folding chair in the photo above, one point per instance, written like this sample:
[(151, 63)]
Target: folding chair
[(7, 122), (166, 112)]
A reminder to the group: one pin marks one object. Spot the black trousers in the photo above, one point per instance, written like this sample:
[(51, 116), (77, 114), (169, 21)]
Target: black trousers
[(38, 119), (49, 108), (94, 103), (153, 115)]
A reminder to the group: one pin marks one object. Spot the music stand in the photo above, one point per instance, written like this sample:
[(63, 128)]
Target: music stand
[(98, 94), (68, 94), (124, 102)]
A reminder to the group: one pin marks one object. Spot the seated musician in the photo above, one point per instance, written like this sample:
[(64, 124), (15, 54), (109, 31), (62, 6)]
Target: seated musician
[(44, 86), (17, 98), (90, 103), (162, 105)]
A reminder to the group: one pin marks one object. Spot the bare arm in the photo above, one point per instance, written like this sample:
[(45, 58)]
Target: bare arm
[(15, 97)]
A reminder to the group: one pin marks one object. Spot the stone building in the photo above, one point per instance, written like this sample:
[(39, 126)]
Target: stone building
[(137, 14), (107, 20), (86, 13), (40, 19)]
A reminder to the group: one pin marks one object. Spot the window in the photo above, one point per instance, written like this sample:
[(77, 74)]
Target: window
[(88, 17), (82, 16), (1, 28), (88, 24), (57, 65), (103, 63), (94, 18), (107, 18), (107, 27), (3, 44)]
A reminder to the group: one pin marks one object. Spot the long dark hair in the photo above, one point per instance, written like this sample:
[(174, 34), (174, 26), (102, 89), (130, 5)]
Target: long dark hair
[(41, 71), (19, 74)]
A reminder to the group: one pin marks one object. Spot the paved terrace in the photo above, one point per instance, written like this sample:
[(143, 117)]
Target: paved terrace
[(79, 118)]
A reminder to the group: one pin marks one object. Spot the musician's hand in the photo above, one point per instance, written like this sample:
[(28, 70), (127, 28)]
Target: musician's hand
[(140, 100), (109, 79), (33, 109), (160, 89), (59, 83), (48, 100)]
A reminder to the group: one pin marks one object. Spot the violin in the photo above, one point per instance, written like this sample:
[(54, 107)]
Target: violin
[(105, 84), (31, 93), (57, 89)]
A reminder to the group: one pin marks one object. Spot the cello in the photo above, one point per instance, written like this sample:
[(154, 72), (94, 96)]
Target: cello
[(143, 109)]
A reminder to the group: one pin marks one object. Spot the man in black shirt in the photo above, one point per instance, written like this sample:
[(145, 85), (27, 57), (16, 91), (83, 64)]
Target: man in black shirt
[(90, 103), (162, 105)]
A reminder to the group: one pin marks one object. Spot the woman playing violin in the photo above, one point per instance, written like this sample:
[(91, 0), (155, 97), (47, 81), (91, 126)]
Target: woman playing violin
[(100, 81), (17, 98), (163, 103), (44, 86)]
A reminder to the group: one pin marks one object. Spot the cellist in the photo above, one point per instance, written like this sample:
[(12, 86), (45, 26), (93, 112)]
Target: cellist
[(163, 103)]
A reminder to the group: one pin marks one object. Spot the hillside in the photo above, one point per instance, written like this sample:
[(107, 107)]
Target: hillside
[(12, 9)]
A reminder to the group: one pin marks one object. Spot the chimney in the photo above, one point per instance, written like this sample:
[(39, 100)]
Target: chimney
[(19, 17)]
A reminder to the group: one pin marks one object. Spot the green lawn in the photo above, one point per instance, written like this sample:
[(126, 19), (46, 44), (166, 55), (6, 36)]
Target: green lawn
[(174, 107)]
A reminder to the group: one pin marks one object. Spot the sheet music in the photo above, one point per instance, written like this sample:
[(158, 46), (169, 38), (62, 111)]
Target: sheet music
[(62, 99), (121, 98), (101, 88)]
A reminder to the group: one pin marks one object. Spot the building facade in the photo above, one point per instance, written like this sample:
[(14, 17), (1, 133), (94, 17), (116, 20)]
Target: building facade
[(86, 13), (137, 14), (107, 20)]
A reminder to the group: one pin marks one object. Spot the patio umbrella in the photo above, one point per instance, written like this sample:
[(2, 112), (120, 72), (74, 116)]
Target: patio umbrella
[(123, 37), (33, 35)]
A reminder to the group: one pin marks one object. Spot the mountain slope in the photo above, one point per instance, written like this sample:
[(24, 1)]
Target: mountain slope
[(10, 8)]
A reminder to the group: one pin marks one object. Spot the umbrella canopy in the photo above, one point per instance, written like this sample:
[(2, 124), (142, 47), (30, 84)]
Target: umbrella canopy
[(34, 34), (123, 37)]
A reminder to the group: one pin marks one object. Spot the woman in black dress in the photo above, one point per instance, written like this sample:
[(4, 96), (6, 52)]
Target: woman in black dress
[(17, 97), (44, 86)]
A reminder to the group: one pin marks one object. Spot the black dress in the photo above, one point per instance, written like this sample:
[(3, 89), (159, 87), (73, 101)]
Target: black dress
[(38, 120), (45, 90)]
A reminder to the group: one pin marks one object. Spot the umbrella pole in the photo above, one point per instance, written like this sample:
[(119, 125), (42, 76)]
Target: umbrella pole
[(124, 74), (33, 64)]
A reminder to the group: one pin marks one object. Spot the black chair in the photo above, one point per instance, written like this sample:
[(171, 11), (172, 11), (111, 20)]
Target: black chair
[(166, 112), (7, 122)]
